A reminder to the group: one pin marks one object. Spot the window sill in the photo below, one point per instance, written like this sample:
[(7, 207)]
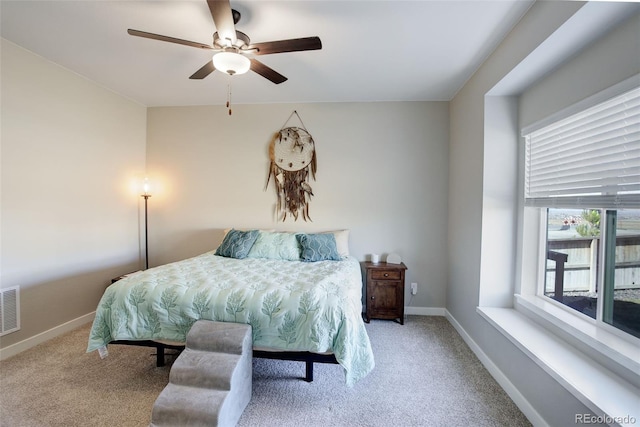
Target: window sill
[(598, 388), (615, 353)]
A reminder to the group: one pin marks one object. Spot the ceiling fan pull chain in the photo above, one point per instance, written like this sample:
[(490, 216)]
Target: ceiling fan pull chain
[(229, 97)]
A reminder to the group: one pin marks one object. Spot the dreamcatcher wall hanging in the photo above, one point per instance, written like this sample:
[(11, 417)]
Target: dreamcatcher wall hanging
[(293, 157)]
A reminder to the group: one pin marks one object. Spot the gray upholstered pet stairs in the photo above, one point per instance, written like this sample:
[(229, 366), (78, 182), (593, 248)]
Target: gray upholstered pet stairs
[(210, 382)]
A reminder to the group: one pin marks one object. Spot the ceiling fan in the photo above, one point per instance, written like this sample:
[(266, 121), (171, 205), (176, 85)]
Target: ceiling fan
[(233, 49)]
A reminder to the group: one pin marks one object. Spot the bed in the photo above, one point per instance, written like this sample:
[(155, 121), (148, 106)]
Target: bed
[(298, 300)]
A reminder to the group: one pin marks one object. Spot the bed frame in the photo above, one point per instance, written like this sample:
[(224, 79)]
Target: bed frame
[(296, 356)]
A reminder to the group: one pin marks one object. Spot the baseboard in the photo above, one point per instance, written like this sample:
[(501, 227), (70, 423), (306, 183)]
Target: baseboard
[(521, 402), (33, 341), (425, 311)]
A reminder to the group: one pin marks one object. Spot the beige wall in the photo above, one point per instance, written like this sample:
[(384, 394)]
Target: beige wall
[(70, 153), (476, 275), (610, 60), (382, 173)]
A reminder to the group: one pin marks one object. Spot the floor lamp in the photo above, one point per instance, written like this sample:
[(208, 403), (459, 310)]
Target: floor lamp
[(146, 196)]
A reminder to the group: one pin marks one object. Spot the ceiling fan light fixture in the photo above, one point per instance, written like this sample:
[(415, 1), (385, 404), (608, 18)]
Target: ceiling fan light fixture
[(231, 63)]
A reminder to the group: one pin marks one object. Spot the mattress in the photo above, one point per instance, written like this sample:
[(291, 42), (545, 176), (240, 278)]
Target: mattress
[(291, 305)]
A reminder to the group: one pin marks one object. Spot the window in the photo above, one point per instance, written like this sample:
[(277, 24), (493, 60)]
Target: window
[(582, 172), (593, 264)]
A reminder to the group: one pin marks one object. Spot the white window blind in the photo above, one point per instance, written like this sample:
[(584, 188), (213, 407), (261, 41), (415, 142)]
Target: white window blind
[(589, 159)]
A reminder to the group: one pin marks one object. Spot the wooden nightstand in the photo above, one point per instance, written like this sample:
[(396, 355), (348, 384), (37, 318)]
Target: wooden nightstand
[(384, 291)]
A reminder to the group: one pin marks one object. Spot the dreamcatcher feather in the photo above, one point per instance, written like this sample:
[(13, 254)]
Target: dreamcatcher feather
[(293, 157)]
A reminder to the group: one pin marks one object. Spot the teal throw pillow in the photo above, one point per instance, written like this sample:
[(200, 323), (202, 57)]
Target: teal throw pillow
[(237, 244), (318, 247)]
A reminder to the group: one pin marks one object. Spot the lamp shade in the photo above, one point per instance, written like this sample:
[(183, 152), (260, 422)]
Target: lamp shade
[(145, 187), (231, 63)]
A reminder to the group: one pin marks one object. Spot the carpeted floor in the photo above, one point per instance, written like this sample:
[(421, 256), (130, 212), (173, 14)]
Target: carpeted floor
[(425, 375)]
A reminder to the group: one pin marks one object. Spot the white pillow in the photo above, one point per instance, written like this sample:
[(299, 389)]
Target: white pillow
[(342, 241)]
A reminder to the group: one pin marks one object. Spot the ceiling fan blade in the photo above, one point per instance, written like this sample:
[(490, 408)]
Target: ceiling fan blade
[(267, 72), (223, 19), (168, 39), (203, 72), (291, 45)]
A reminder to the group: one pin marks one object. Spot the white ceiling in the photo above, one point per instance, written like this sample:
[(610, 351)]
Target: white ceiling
[(372, 50)]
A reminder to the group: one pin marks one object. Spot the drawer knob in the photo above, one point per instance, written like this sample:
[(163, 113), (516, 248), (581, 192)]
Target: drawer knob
[(386, 274), (373, 298)]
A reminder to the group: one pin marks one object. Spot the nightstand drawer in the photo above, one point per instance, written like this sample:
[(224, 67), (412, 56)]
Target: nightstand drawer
[(386, 274)]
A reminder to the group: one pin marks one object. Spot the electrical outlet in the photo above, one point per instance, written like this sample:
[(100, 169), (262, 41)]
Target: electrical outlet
[(414, 288)]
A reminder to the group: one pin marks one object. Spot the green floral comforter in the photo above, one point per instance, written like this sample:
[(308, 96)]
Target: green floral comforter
[(291, 305)]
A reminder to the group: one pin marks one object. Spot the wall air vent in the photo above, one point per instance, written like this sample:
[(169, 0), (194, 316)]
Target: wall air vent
[(9, 310)]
